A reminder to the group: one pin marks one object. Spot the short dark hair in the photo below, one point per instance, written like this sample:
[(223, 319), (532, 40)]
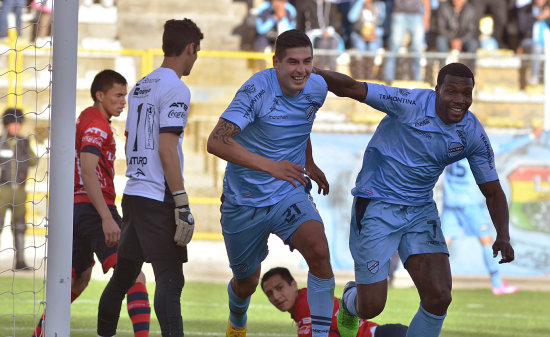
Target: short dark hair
[(290, 39), (282, 271), (178, 34), (105, 80), (12, 115), (454, 69)]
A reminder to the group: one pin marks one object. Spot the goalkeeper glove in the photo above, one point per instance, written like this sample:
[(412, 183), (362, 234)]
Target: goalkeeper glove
[(185, 224)]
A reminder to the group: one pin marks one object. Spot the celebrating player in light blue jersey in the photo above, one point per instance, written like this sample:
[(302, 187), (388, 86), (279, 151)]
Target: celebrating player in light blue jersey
[(463, 210), (264, 136), (393, 207)]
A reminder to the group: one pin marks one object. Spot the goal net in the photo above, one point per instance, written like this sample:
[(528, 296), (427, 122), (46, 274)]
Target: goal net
[(36, 163)]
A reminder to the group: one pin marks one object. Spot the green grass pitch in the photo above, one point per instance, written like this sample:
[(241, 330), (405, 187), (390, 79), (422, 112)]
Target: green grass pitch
[(204, 308)]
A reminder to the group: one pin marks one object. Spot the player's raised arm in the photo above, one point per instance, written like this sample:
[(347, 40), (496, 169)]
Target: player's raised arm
[(342, 85), (221, 143), (498, 209)]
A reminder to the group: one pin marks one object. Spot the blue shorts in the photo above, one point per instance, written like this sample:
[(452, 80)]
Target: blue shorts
[(246, 229), (471, 219), (379, 228)]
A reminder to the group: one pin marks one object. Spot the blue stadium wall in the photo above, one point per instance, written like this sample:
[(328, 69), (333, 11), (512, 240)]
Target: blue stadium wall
[(524, 175)]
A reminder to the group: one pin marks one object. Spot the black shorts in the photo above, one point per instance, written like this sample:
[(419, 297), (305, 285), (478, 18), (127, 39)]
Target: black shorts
[(148, 231), (88, 238)]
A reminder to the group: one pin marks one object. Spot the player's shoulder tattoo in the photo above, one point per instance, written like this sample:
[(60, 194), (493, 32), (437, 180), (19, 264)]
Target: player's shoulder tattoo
[(226, 130)]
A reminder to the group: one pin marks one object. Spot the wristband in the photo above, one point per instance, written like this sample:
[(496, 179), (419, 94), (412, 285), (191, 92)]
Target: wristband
[(180, 198)]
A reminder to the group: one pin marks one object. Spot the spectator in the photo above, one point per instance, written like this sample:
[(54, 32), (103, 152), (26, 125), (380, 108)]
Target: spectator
[(314, 14), (533, 21), (327, 40), (368, 18), (486, 39), (16, 156), (274, 17), (457, 28), (320, 20), (413, 17), (499, 12), (8, 6), (43, 9), (344, 6)]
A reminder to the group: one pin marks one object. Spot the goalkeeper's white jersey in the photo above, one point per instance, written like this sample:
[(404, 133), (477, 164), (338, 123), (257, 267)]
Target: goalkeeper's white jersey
[(158, 103)]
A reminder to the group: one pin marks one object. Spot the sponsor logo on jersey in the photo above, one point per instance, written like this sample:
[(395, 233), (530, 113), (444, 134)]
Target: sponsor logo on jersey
[(110, 155), (149, 80), (277, 117), (253, 103), (179, 105), (138, 92), (402, 100), (91, 139), (176, 114), (424, 134), (490, 154), (96, 131), (137, 161), (139, 172), (455, 148), (373, 266), (423, 122), (404, 92)]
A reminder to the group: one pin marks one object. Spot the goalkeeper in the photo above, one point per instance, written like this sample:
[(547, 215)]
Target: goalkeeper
[(152, 231)]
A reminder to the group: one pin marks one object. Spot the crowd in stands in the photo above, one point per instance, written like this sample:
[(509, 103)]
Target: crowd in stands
[(37, 12), (370, 27)]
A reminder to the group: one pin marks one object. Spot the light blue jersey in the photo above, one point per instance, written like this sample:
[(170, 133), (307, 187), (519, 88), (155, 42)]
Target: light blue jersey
[(411, 147), (273, 125)]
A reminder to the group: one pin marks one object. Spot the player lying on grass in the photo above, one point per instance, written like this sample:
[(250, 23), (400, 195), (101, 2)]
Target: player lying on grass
[(282, 291)]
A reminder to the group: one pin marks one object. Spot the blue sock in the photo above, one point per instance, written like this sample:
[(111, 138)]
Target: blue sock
[(425, 324), (237, 308), (320, 297), (491, 265), (349, 301)]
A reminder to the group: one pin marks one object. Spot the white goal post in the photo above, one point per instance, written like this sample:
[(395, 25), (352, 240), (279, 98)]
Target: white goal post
[(62, 135)]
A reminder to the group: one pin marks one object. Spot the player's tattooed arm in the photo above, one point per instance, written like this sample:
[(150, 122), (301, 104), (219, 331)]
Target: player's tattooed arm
[(225, 131), (221, 144)]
